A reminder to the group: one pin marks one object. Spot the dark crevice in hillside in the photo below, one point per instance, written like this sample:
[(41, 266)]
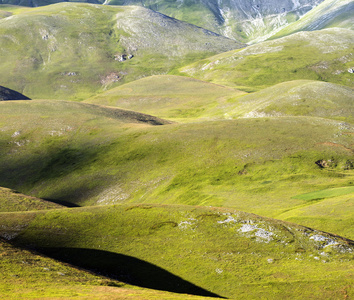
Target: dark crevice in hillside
[(62, 202), (126, 269)]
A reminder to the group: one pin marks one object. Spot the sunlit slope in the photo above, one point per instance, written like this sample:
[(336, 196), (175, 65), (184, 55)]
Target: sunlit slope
[(298, 98), (241, 20), (330, 13), (317, 55), (169, 96), (223, 251), (69, 50), (13, 201), (76, 153)]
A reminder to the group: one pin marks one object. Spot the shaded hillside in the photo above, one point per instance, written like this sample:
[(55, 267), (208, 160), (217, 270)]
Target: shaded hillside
[(8, 94), (29, 274), (74, 152), (324, 55), (222, 251), (74, 50)]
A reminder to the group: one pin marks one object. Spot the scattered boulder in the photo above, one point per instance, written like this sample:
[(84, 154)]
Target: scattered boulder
[(8, 94), (123, 57)]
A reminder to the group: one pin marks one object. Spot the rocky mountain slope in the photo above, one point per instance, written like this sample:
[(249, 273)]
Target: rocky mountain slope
[(330, 13), (246, 21), (67, 50)]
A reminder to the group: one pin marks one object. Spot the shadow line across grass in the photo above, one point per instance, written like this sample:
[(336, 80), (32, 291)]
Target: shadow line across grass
[(126, 269)]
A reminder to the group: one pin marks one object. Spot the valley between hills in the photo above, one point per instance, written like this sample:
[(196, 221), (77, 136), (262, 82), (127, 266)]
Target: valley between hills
[(176, 149)]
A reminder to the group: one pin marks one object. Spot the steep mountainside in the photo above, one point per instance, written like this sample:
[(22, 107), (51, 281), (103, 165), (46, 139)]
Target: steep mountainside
[(330, 13), (243, 20), (73, 50)]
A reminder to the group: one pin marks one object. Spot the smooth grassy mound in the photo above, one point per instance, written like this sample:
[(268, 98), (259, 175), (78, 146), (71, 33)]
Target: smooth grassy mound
[(8, 94), (75, 153), (170, 97), (298, 98), (330, 13), (12, 201), (224, 251), (323, 55), (72, 50)]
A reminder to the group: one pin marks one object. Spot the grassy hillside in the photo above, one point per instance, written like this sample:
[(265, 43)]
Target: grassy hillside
[(240, 20), (13, 201), (170, 96), (72, 51), (85, 154), (323, 55), (185, 99), (28, 274), (223, 251), (330, 13), (298, 98)]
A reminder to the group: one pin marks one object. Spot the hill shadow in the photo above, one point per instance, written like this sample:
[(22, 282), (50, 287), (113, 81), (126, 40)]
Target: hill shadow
[(62, 202), (126, 269)]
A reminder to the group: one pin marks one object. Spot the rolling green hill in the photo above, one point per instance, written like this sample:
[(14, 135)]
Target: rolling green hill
[(223, 251), (72, 51), (88, 155), (298, 98), (170, 96), (317, 55), (158, 160), (28, 274), (13, 201)]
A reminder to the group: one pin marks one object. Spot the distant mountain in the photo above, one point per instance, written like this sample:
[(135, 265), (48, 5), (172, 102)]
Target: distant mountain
[(8, 94), (71, 50), (247, 21), (330, 13)]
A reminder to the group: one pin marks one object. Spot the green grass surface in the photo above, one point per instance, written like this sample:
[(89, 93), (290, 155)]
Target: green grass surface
[(304, 55), (28, 274), (172, 97), (207, 247), (12, 201), (73, 50), (328, 193), (297, 98), (85, 154)]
